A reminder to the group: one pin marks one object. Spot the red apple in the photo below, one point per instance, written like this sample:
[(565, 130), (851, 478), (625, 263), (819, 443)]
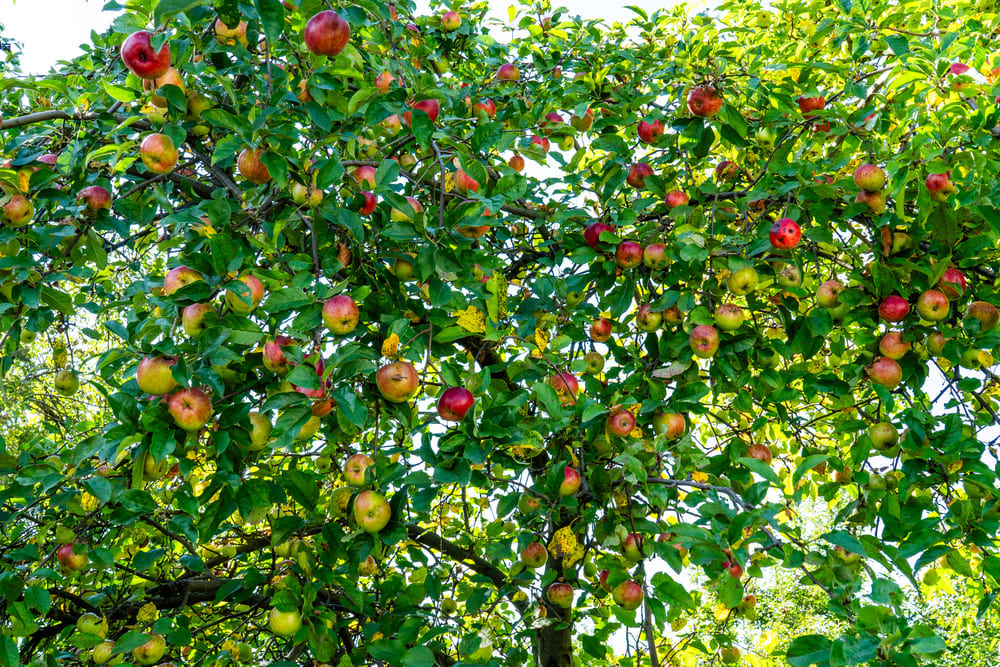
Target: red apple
[(451, 21), (886, 372), (620, 423), (72, 560), (95, 198), (632, 547), (191, 408), (893, 346), (729, 316), (355, 467), (828, 294), (245, 295), (274, 357), (567, 387), (179, 277), (677, 198), (534, 555), (516, 162), (465, 183), (655, 257), (158, 153), (561, 595), (571, 482), (155, 375), (341, 314), (809, 104), (704, 341), (601, 330), (487, 107), (760, 451), (383, 81), (584, 122), (933, 305), (508, 72), (369, 204), (371, 511), (138, 55), (592, 234), (669, 424), (454, 403), (251, 167), (637, 174), (875, 201), (869, 177), (193, 318), (894, 308), (18, 210), (628, 255), (952, 283), (430, 107), (735, 569), (542, 142), (169, 78), (727, 171), (326, 33), (649, 133), (940, 187), (983, 312), (365, 176), (398, 382), (628, 595), (704, 101), (785, 234)]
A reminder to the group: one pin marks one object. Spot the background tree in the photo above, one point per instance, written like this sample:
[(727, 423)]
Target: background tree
[(363, 384)]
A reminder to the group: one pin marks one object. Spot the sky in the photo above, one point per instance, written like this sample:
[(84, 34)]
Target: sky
[(46, 40)]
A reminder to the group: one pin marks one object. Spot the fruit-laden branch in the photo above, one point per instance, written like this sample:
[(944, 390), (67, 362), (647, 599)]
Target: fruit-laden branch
[(57, 114)]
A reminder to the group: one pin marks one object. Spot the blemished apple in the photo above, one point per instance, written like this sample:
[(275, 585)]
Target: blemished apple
[(648, 132), (561, 595), (95, 198), (341, 314), (875, 201), (729, 317), (902, 243), (869, 177), (785, 234), (601, 330), (647, 319), (828, 294), (704, 341), (355, 467), (940, 187), (326, 33), (274, 357), (18, 211), (985, 313), (632, 547), (935, 343), (655, 256), (567, 387), (628, 254), (637, 175), (592, 234), (158, 153), (464, 183), (952, 283), (226, 35), (193, 318), (571, 482), (894, 308), (155, 375), (729, 655), (397, 215), (742, 282), (628, 595), (508, 72), (933, 305), (727, 171), (284, 623), (103, 652), (516, 162), (66, 382), (71, 557), (92, 624), (534, 555), (138, 55), (886, 372), (760, 451), (620, 423), (893, 346), (789, 276), (677, 198), (191, 409), (245, 295), (371, 511), (594, 361), (704, 101), (669, 424), (251, 167), (584, 122), (398, 382), (454, 403), (179, 277), (150, 652), (884, 436)]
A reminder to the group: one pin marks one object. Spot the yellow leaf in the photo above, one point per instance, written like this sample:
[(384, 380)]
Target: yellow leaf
[(147, 613), (699, 477), (390, 346), (565, 546), (472, 320), (541, 339)]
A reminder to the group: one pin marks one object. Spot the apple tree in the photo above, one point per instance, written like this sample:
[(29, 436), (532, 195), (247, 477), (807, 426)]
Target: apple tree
[(342, 333)]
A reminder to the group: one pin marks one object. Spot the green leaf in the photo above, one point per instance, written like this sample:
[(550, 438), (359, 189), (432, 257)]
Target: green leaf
[(807, 464), (809, 650), (167, 8), (419, 656), (549, 399), (898, 43), (272, 15), (302, 486)]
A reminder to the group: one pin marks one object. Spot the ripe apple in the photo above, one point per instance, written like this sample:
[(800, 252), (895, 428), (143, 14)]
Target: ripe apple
[(828, 293), (704, 341), (368, 207), (508, 72), (726, 171), (341, 314), (940, 187), (326, 33), (983, 312), (284, 623), (628, 254), (884, 436), (952, 283), (669, 424), (595, 362), (567, 387), (397, 215), (454, 403), (620, 423), (226, 35), (649, 133), (365, 176), (655, 256), (158, 153), (150, 652), (465, 183), (18, 210), (155, 375), (487, 107), (628, 595), (704, 101), (274, 357), (541, 142), (95, 198), (250, 288), (384, 80), (935, 343), (785, 234), (451, 21), (809, 104), (735, 569), (584, 122), (534, 555), (516, 162), (601, 330), (561, 595), (251, 167), (260, 431), (593, 232), (886, 372), (632, 547), (191, 408), (869, 177), (354, 469), (170, 78), (430, 107), (371, 511), (398, 382), (138, 55), (647, 319), (789, 276), (729, 317), (742, 282), (71, 559), (677, 198), (93, 624), (637, 174), (103, 652), (955, 72), (875, 201), (893, 346), (760, 451), (933, 305), (179, 277), (894, 308), (306, 195), (571, 482)]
